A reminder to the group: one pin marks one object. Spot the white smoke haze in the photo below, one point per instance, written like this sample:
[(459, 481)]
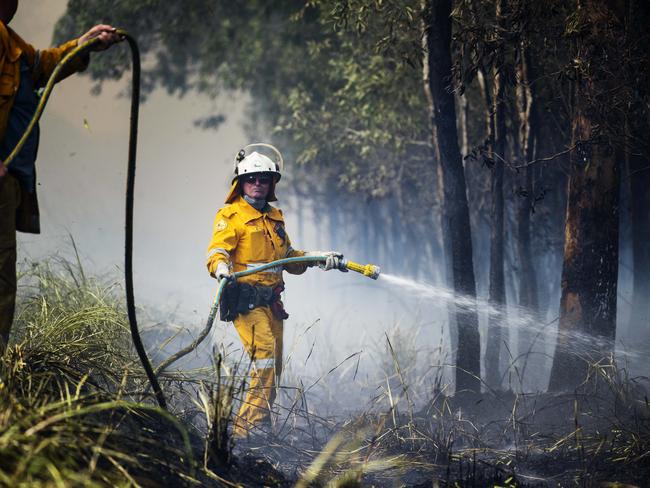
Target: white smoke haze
[(182, 178)]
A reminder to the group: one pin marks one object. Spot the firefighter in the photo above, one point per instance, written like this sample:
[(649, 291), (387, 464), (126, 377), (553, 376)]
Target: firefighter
[(249, 232), (23, 70)]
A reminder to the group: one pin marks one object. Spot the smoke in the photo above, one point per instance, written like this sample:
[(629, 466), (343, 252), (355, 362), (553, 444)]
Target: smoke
[(182, 177), (345, 333)]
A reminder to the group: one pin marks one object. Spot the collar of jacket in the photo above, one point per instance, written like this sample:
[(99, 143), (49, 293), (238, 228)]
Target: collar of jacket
[(12, 46), (248, 212)]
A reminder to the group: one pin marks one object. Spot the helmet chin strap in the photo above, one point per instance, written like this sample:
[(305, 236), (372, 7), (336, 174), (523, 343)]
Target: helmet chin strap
[(257, 203)]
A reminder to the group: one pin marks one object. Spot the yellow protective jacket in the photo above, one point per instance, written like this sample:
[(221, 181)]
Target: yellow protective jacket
[(43, 62), (243, 237)]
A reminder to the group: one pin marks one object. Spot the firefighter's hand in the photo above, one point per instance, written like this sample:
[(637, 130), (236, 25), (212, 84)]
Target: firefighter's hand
[(106, 34), (3, 170), (333, 260), (223, 271)]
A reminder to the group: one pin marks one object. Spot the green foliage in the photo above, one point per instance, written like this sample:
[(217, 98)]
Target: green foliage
[(338, 84), (340, 88)]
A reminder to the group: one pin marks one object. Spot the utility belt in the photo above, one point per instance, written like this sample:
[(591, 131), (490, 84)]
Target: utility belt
[(240, 298)]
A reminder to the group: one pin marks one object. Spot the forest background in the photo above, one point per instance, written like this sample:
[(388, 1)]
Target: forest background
[(492, 157), (456, 146)]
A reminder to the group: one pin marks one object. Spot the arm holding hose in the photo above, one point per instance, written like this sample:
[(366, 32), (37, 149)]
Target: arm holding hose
[(333, 260), (46, 60), (295, 268), (43, 64)]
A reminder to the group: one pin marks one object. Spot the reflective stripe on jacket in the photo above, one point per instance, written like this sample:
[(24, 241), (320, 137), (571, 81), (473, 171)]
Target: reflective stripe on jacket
[(244, 238)]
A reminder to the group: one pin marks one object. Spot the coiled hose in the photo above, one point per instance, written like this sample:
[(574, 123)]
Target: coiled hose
[(130, 185)]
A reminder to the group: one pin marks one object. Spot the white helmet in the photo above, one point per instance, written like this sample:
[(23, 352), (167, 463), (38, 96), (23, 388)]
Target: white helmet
[(252, 160)]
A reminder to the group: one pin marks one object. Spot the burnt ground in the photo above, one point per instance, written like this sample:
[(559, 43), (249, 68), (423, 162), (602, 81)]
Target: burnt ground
[(597, 436)]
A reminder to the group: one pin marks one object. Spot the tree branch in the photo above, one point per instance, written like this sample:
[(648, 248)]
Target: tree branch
[(549, 158)]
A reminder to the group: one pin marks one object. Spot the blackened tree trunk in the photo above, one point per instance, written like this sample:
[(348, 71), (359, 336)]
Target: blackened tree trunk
[(497, 290), (590, 269), (638, 123), (445, 136), (447, 251), (639, 326)]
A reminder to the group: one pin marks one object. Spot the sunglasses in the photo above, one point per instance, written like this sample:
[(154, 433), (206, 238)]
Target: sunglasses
[(263, 179)]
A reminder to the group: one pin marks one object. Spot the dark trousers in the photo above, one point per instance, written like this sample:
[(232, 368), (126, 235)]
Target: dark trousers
[(9, 200)]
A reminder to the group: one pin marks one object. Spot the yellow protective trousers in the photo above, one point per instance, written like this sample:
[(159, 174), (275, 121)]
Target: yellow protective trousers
[(261, 335), (9, 200)]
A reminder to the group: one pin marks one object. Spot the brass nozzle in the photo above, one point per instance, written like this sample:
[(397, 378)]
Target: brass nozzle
[(369, 270)]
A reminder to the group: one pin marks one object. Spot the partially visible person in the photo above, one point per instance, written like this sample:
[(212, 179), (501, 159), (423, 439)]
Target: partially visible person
[(247, 233), (23, 70)]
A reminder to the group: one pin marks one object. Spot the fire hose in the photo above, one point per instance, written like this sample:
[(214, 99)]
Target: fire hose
[(130, 185), (368, 270)]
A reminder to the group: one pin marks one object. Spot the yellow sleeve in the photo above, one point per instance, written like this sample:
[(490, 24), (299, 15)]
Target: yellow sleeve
[(47, 59), (224, 241), (296, 268)]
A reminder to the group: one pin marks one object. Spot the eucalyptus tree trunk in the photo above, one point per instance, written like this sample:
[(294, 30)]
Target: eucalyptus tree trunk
[(437, 78), (497, 325), (447, 253), (590, 269), (463, 124), (528, 130)]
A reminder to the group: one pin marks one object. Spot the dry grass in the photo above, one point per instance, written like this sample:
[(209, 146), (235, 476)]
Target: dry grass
[(72, 413), (596, 435), (72, 405)]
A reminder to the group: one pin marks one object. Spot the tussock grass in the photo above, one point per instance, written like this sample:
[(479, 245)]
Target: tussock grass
[(70, 412), (74, 407), (74, 324)]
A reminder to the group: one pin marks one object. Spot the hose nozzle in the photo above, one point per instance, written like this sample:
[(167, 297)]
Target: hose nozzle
[(369, 270)]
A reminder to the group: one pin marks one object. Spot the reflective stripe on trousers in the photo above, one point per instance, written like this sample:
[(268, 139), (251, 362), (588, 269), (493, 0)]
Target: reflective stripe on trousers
[(261, 335), (264, 363)]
